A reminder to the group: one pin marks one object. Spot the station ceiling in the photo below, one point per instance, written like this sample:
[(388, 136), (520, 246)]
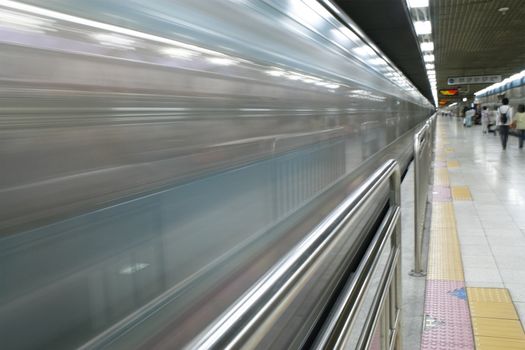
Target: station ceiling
[(471, 38), (387, 23)]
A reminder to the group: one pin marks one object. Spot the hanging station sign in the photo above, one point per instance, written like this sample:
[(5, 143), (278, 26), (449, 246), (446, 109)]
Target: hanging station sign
[(449, 92), (478, 79)]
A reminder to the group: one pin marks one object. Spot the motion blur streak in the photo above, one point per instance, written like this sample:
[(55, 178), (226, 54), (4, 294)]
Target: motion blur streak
[(158, 156)]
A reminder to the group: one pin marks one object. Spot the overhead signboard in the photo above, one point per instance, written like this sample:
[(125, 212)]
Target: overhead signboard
[(478, 79), (449, 92)]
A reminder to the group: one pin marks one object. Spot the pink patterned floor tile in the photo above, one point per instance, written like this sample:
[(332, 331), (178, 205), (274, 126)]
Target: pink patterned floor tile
[(447, 317), (441, 194)]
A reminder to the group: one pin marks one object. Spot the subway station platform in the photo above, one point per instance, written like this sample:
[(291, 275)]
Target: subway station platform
[(475, 281)]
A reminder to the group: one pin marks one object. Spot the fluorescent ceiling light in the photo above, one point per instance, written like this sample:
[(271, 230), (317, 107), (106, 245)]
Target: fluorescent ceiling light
[(423, 27), (428, 58), (429, 66), (428, 46), (431, 72), (417, 3)]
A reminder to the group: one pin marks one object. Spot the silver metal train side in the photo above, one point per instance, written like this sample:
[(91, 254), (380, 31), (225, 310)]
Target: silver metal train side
[(513, 90), (152, 150)]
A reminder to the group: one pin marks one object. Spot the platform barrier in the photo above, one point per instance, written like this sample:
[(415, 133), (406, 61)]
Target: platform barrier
[(423, 146), (251, 320)]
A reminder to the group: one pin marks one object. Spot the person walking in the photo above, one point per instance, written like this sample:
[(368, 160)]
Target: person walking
[(503, 121), (485, 120), (519, 119)]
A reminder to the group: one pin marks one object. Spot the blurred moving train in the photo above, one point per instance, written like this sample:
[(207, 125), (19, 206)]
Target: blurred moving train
[(159, 156)]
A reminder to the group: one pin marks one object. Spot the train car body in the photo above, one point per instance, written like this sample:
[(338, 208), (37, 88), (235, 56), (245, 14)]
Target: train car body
[(153, 150), (512, 88)]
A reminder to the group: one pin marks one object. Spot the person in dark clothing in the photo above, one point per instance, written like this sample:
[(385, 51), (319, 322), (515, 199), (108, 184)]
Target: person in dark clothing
[(504, 119)]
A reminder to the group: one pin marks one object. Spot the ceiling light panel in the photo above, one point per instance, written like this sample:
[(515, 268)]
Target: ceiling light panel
[(423, 27), (428, 58), (417, 3), (427, 46)]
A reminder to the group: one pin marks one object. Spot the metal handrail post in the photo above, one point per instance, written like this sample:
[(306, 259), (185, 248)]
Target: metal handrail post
[(397, 297), (395, 198), (422, 158)]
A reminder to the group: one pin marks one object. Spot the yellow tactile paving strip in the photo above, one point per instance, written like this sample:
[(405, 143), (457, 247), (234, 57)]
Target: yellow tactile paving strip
[(441, 177), (461, 193), (505, 311), (439, 208), (442, 215), (489, 295), (495, 322), (490, 343), (451, 164), (444, 255), (444, 269), (489, 327)]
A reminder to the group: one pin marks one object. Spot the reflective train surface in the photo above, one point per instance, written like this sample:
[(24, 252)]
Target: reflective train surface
[(158, 157), (512, 88)]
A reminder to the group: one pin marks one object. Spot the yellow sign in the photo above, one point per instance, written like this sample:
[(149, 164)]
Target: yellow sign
[(449, 92)]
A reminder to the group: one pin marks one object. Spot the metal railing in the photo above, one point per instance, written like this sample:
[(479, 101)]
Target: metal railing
[(246, 322), (423, 146)]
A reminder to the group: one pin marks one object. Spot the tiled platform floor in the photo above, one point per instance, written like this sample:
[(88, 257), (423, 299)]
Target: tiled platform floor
[(490, 227), (486, 189)]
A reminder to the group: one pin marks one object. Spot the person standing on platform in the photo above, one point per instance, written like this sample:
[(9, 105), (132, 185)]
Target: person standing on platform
[(485, 119), (503, 121), (469, 115), (493, 120), (519, 119)]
